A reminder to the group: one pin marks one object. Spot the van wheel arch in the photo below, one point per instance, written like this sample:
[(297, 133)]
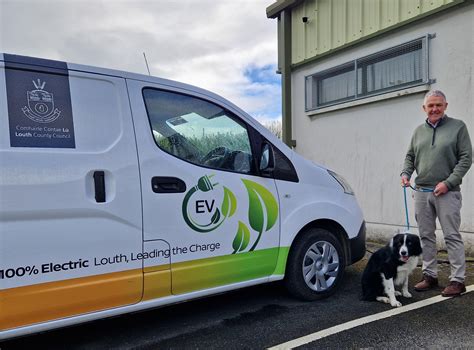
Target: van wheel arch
[(320, 250), (332, 226)]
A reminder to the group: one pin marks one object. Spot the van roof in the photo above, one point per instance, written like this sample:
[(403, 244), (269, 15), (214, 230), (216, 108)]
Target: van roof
[(61, 67)]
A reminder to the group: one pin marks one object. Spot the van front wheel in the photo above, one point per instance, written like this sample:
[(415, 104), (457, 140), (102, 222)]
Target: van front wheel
[(315, 265)]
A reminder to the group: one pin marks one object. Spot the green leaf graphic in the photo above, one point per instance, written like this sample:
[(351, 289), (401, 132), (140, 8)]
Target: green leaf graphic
[(242, 238), (258, 194), (262, 205), (229, 204), (255, 211)]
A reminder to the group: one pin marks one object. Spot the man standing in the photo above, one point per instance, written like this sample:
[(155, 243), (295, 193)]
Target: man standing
[(441, 153)]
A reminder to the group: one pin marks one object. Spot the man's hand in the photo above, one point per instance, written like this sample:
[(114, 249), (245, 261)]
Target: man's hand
[(405, 181), (440, 189)]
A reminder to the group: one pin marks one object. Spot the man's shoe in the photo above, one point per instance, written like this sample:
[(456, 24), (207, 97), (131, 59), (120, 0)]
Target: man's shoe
[(454, 289), (426, 283)]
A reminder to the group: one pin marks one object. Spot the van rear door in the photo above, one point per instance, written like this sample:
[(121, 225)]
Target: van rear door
[(70, 205)]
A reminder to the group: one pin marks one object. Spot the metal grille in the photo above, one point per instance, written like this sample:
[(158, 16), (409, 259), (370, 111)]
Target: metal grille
[(393, 69)]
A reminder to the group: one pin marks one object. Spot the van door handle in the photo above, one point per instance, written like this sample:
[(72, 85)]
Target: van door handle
[(167, 184), (99, 186)]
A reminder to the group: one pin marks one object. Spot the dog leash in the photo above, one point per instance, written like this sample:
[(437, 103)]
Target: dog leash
[(419, 189), (406, 206)]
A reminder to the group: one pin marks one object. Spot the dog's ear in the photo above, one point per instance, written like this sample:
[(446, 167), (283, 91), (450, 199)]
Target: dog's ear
[(390, 243), (417, 245), (397, 239)]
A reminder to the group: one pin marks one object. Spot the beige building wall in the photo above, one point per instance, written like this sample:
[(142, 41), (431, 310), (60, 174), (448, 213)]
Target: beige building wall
[(367, 142)]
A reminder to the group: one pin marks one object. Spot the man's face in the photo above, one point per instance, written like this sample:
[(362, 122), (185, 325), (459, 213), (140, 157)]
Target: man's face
[(434, 108)]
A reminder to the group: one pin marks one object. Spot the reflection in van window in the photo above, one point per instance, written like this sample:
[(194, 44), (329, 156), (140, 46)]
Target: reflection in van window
[(198, 131)]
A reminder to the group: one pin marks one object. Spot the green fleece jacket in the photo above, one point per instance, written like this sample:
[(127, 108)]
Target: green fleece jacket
[(441, 154)]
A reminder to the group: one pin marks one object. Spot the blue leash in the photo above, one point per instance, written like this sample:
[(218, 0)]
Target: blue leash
[(419, 189), (406, 206)]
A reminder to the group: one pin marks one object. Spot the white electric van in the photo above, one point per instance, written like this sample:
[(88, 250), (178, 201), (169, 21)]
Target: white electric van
[(121, 192)]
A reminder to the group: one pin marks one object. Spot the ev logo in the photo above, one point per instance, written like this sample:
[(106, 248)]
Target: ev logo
[(40, 104), (216, 215), (206, 216)]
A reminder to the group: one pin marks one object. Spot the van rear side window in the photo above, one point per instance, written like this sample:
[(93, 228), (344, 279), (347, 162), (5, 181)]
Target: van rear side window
[(198, 131)]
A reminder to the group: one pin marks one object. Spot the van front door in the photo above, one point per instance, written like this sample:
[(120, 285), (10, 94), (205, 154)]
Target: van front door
[(201, 191)]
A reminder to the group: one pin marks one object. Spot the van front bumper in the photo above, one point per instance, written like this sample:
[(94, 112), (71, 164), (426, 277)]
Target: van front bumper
[(357, 245)]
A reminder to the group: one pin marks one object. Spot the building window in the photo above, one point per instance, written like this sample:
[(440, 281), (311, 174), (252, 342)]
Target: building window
[(393, 69)]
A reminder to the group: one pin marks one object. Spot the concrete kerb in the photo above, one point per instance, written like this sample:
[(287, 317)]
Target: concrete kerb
[(442, 254), (381, 234)]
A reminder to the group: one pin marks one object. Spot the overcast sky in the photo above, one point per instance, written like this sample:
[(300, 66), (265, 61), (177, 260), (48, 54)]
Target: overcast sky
[(226, 46)]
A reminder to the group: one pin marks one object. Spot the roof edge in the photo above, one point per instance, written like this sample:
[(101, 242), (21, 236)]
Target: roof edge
[(274, 9)]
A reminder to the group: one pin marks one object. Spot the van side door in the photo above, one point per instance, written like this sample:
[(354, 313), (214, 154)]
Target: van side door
[(202, 193), (70, 202)]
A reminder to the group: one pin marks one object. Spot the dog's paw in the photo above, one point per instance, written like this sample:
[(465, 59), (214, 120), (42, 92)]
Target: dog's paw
[(407, 294), (397, 293), (383, 300), (396, 303)]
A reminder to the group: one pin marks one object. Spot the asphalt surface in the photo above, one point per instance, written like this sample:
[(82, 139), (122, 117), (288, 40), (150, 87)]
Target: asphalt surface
[(265, 316)]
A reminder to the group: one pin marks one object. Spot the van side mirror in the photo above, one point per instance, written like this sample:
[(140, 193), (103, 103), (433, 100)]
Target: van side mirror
[(267, 160)]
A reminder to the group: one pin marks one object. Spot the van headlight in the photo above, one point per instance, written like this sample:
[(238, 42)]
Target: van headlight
[(345, 185)]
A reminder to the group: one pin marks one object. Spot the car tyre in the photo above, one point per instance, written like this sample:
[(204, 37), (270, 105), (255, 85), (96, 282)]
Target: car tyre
[(315, 266)]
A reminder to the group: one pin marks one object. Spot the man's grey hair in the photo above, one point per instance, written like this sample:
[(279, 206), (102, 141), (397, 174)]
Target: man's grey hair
[(436, 93)]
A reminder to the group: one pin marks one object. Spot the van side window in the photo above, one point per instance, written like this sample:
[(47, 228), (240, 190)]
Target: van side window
[(198, 131), (284, 169)]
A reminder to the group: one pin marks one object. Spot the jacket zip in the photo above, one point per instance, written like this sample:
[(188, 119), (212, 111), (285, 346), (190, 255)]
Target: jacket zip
[(434, 129)]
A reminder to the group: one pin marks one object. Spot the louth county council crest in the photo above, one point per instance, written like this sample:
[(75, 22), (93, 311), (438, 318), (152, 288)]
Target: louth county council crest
[(40, 107)]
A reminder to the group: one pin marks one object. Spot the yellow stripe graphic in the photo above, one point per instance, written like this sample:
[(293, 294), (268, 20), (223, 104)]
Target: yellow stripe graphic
[(48, 301)]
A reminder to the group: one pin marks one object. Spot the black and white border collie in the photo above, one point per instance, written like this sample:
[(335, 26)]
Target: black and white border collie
[(391, 266)]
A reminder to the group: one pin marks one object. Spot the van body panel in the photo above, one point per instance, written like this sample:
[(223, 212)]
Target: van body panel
[(316, 196), (212, 272), (33, 304), (302, 206)]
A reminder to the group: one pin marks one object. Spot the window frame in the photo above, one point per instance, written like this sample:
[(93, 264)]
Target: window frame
[(258, 140), (311, 81)]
